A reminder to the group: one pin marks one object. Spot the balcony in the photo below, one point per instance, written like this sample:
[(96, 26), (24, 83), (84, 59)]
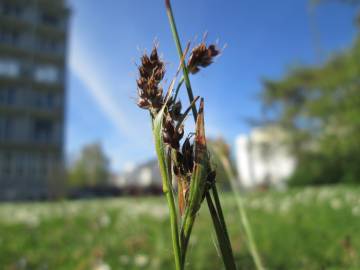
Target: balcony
[(55, 31), (26, 82), (10, 23), (53, 114), (56, 148), (26, 54), (56, 7), (36, 131)]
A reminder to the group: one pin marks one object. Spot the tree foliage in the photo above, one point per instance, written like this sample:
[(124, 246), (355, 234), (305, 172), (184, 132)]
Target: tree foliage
[(320, 107), (91, 168)]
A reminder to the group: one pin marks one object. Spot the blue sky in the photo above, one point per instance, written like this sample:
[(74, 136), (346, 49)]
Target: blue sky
[(263, 38)]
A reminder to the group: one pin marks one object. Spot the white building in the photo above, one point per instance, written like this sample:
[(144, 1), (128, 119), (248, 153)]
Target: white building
[(144, 175), (262, 157)]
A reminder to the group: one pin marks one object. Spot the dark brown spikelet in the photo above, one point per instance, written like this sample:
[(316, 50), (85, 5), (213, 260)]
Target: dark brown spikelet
[(171, 134), (175, 109), (202, 56), (188, 156), (151, 72)]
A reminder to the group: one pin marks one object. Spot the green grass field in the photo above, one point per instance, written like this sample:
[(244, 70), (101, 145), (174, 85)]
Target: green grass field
[(313, 228)]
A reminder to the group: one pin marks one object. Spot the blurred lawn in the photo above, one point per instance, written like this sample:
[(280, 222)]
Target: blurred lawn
[(313, 228)]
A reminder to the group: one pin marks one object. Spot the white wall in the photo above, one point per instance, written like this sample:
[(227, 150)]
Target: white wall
[(262, 157)]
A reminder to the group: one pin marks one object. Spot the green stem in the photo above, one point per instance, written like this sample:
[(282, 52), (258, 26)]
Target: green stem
[(220, 212), (223, 239), (244, 219), (185, 235), (225, 247), (178, 88), (180, 52), (174, 230), (168, 192)]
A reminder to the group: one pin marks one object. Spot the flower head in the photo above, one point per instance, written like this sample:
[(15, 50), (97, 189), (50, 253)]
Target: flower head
[(171, 133), (151, 72), (202, 56)]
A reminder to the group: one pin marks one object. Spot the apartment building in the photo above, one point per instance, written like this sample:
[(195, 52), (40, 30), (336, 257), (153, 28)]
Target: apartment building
[(33, 41)]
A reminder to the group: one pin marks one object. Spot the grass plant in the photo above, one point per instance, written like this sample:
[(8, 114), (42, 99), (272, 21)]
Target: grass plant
[(185, 162)]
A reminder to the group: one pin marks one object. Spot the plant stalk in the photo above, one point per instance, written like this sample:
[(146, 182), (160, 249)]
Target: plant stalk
[(223, 240), (244, 219), (167, 190), (178, 88), (216, 213), (182, 59), (220, 212)]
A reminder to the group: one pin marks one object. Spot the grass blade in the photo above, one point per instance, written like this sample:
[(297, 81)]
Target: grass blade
[(240, 205)]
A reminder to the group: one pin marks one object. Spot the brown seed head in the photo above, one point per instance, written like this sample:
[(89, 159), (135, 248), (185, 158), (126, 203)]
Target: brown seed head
[(175, 109), (151, 72), (202, 56), (171, 134), (188, 155)]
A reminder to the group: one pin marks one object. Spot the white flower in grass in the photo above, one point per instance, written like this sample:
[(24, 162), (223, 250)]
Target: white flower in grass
[(356, 210), (335, 203), (155, 263), (350, 197), (323, 195), (285, 206), (141, 260), (22, 263), (102, 266), (104, 220), (124, 259), (269, 207), (159, 212), (255, 204), (33, 222)]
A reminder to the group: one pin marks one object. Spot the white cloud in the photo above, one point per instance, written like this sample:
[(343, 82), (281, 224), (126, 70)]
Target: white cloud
[(83, 68)]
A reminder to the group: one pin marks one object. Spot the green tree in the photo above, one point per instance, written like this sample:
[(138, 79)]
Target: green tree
[(320, 107), (91, 168)]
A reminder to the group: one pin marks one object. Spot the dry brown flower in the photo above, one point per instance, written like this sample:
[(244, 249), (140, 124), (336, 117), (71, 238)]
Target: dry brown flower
[(151, 72), (202, 56), (171, 133)]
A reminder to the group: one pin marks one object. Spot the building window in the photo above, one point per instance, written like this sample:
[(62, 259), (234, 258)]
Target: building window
[(46, 74), (5, 127), (7, 96), (2, 161), (6, 164), (19, 164), (43, 130), (36, 166), (49, 19), (49, 101), (11, 10), (9, 68), (46, 100), (46, 160), (9, 37), (48, 45)]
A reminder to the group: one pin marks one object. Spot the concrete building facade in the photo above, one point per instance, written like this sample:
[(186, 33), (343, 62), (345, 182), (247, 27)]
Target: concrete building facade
[(33, 39)]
